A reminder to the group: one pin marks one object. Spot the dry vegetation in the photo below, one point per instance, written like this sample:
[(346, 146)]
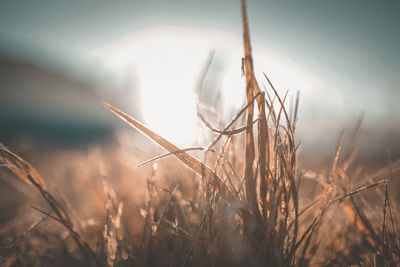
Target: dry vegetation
[(241, 205)]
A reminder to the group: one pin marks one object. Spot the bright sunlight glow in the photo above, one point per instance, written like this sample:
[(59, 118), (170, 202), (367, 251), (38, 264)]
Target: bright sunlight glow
[(167, 62)]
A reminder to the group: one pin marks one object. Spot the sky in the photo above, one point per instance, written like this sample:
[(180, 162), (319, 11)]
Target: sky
[(342, 55), (320, 31)]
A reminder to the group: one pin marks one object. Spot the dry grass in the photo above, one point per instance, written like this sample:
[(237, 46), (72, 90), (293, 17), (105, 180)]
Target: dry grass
[(239, 206)]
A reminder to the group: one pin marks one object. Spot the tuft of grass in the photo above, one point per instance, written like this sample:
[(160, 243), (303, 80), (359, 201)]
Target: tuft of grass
[(245, 210)]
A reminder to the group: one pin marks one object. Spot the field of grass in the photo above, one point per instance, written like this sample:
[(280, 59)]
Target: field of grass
[(243, 204)]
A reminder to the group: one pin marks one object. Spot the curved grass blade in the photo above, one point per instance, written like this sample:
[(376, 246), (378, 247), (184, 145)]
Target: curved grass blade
[(21, 168), (198, 167)]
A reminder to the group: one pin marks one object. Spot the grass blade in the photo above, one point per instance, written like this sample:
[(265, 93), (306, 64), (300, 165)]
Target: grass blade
[(194, 164)]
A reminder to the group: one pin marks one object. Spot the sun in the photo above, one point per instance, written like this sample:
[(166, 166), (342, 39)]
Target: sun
[(167, 62), (167, 66)]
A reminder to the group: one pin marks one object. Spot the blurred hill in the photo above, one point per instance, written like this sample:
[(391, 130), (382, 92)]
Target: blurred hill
[(51, 107)]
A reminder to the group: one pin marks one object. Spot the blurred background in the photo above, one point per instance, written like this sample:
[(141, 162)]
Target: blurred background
[(59, 59)]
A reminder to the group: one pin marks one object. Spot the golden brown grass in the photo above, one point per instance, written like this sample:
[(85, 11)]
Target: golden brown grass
[(241, 208)]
